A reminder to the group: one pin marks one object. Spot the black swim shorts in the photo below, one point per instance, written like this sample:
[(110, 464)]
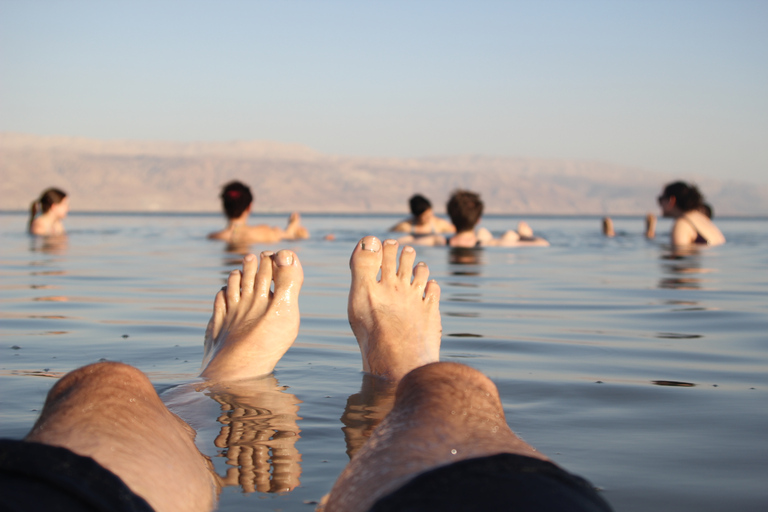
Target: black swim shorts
[(36, 476), (499, 482)]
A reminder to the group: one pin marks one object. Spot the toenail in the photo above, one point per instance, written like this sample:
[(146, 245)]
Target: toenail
[(371, 244), (249, 257), (390, 242), (284, 259), (267, 254), (408, 249)]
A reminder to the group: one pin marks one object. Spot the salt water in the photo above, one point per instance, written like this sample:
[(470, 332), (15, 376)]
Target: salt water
[(642, 370)]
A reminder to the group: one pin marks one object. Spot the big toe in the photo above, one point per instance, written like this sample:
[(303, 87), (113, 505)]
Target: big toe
[(366, 260), (287, 274)]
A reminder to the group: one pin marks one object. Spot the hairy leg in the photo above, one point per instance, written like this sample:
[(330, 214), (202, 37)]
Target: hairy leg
[(111, 413), (443, 413)]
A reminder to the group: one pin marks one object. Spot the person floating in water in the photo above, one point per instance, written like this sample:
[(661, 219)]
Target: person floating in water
[(465, 209), (236, 199), (423, 220), (692, 226), (47, 213), (105, 440)]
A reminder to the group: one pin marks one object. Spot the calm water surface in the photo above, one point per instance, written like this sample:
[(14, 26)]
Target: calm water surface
[(644, 371)]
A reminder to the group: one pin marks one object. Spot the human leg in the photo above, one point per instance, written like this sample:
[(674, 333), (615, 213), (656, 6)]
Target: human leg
[(111, 412), (447, 418)]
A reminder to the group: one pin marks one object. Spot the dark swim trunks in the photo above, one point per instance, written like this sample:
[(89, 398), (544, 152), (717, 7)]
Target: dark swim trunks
[(498, 482), (36, 476)]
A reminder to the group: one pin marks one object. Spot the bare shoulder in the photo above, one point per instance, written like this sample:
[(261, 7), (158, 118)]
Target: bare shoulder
[(260, 233), (404, 226), (39, 227), (443, 226)]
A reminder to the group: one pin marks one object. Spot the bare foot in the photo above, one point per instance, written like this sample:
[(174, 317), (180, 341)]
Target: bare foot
[(650, 225), (608, 227), (524, 230), (252, 327), (295, 230), (396, 321)]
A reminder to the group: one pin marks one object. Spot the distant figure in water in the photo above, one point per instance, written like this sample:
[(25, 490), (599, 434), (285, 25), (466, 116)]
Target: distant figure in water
[(105, 440), (650, 226), (236, 198), (47, 212), (423, 220), (608, 227), (692, 226), (465, 209)]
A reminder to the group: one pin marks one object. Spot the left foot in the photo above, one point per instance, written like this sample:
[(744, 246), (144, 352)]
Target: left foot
[(252, 327)]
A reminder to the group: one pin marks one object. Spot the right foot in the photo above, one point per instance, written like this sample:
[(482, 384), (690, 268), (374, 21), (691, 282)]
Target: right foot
[(396, 321), (252, 327)]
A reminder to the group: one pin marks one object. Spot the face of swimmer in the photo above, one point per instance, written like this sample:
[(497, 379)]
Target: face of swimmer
[(60, 209)]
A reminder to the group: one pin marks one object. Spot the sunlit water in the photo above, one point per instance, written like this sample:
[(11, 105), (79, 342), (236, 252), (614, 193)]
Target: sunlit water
[(642, 371)]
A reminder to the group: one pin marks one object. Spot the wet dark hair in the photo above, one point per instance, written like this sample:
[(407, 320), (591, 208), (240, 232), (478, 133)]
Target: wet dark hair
[(687, 197), (48, 198), (706, 209), (419, 204), (236, 197), (465, 209)]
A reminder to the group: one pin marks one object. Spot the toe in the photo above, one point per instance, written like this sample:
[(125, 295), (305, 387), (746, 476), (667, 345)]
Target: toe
[(407, 257), (248, 280), (432, 292), (288, 276), (389, 260), (264, 275), (219, 312), (366, 260), (420, 275), (233, 288)]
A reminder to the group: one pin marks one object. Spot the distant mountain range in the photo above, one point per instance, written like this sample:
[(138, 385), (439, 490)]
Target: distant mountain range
[(122, 175)]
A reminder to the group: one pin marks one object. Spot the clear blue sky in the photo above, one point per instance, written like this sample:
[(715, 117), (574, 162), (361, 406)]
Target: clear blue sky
[(674, 86)]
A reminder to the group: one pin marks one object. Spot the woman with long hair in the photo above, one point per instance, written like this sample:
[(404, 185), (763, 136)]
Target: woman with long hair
[(685, 204), (47, 212)]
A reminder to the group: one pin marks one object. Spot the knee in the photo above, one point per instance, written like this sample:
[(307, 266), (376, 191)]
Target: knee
[(444, 377), (102, 375)]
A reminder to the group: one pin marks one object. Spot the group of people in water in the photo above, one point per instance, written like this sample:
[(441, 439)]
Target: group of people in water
[(692, 226), (105, 440)]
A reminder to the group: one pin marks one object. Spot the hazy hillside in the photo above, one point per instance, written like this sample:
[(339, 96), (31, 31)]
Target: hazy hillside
[(168, 176)]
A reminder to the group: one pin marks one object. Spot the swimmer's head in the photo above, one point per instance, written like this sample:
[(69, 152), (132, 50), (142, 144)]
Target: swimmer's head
[(236, 197), (50, 197), (687, 197), (419, 204), (465, 209)]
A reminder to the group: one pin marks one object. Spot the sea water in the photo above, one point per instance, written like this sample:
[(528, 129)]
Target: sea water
[(643, 370)]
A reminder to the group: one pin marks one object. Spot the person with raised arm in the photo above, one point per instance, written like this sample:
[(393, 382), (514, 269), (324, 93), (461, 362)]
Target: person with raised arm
[(236, 200)]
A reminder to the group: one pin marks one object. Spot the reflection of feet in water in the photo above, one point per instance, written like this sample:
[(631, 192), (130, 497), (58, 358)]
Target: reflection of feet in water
[(252, 327), (365, 410), (396, 319), (258, 435)]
